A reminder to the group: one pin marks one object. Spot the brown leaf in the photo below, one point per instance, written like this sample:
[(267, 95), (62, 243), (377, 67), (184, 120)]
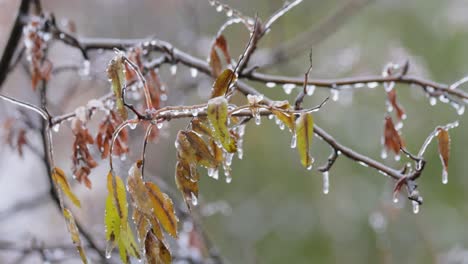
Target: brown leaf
[(392, 139), (444, 151), (187, 181), (221, 43), (82, 160), (304, 135), (104, 136), (156, 250), (222, 83), (215, 63), (391, 95), (194, 149)]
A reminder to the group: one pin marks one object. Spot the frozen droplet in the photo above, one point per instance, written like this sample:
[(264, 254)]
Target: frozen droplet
[(288, 87), (459, 107), (432, 100), (444, 99), (395, 199), (310, 89), (212, 2), (429, 89), (399, 125), (228, 157), (270, 84), (160, 125), (228, 178), (310, 167), (132, 125), (213, 173), (163, 97), (389, 86), (195, 112), (444, 176), (397, 157), (383, 154), (194, 72), (363, 164), (109, 248), (271, 116), (258, 118), (372, 85), (229, 13), (123, 157), (415, 207), (326, 182), (219, 8), (294, 140), (56, 128), (334, 94), (194, 199), (85, 69), (359, 85), (281, 125), (173, 69)]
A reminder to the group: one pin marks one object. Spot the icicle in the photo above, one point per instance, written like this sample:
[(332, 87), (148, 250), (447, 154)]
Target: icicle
[(384, 154), (294, 141), (213, 173), (228, 157), (173, 69), (258, 118), (415, 207), (326, 182), (281, 125), (85, 69), (372, 85), (193, 72), (461, 109), (334, 94), (109, 247), (395, 198), (444, 176), (194, 199), (288, 87), (310, 89), (270, 84), (56, 128)]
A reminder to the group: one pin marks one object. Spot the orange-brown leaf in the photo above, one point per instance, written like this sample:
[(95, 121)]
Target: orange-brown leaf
[(391, 95), (187, 181), (221, 43), (193, 148), (215, 63), (392, 139), (444, 147)]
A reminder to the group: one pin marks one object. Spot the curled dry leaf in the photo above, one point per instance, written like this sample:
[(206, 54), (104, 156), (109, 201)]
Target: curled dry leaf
[(82, 160), (59, 178), (391, 96), (304, 133), (215, 60), (75, 234), (392, 139), (191, 147), (104, 136), (217, 116), (156, 250), (444, 151), (116, 75)]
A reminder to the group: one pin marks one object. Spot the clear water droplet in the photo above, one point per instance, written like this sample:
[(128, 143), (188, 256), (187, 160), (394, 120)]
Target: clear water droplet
[(270, 84), (193, 72), (310, 89), (326, 182), (372, 85), (444, 176), (288, 87), (271, 116), (415, 207), (444, 99), (294, 140), (334, 94), (395, 199), (281, 125)]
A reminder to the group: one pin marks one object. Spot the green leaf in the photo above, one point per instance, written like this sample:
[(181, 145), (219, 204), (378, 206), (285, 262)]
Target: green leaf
[(217, 115), (222, 83), (304, 134), (127, 245), (59, 178), (116, 74), (75, 234)]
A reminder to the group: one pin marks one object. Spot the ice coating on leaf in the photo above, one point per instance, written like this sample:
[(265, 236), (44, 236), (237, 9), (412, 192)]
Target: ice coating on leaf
[(191, 147), (163, 208), (444, 152), (304, 132), (75, 234), (116, 75), (187, 181), (217, 115), (59, 178)]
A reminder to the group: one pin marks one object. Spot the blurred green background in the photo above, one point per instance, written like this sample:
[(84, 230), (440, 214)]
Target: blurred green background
[(277, 211)]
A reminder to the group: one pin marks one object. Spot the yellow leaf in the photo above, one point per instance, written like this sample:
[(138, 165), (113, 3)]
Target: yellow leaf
[(127, 245), (60, 179), (188, 187), (138, 192), (163, 208), (217, 115), (116, 214), (75, 234), (304, 134), (156, 250), (193, 148), (115, 73), (286, 118), (222, 83), (142, 225)]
